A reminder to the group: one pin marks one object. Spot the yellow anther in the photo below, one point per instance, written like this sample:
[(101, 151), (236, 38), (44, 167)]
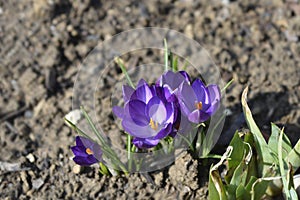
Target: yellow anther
[(153, 125), (89, 151), (198, 105)]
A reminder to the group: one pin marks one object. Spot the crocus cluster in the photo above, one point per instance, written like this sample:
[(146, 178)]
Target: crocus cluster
[(153, 112)]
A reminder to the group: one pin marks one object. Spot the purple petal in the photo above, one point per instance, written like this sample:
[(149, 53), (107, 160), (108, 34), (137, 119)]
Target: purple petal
[(87, 143), (85, 161), (141, 83), (201, 91), (78, 151), (127, 92), (186, 98), (171, 113), (204, 116), (97, 151), (156, 110), (143, 143), (164, 132), (137, 112), (79, 142), (118, 111), (172, 80), (138, 131), (194, 116), (142, 93), (215, 96), (186, 76)]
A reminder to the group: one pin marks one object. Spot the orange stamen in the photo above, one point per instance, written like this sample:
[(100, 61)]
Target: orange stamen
[(153, 125), (89, 151), (198, 105)]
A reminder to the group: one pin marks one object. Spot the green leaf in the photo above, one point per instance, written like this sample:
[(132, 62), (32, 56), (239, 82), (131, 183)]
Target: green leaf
[(231, 191), (294, 156), (282, 166), (252, 166), (239, 175), (237, 152), (215, 186), (241, 172), (227, 85), (265, 159), (290, 180), (250, 183), (242, 193), (259, 188), (236, 156), (273, 142)]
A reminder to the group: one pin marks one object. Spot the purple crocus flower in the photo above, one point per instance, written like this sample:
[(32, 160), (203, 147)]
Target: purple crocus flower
[(173, 80), (148, 114), (197, 101), (86, 151)]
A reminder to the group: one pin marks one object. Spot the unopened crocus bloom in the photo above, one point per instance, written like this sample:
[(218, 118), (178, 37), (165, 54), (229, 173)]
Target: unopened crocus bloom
[(148, 114), (197, 101), (86, 152)]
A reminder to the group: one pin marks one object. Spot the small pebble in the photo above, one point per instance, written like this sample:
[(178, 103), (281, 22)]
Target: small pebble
[(30, 157), (77, 169), (37, 183)]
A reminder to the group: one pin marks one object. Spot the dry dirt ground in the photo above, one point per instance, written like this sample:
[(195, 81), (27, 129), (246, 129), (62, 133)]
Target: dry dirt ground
[(43, 42)]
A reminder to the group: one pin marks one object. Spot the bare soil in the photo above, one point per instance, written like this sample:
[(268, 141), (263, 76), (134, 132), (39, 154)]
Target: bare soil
[(43, 42)]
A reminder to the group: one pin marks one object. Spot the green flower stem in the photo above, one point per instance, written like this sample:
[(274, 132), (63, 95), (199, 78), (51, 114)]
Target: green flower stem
[(129, 151)]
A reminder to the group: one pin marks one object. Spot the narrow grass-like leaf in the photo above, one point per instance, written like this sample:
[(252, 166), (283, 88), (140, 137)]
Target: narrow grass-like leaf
[(170, 54), (264, 153), (120, 62), (175, 64), (78, 130), (186, 63), (227, 85), (166, 55), (92, 125)]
